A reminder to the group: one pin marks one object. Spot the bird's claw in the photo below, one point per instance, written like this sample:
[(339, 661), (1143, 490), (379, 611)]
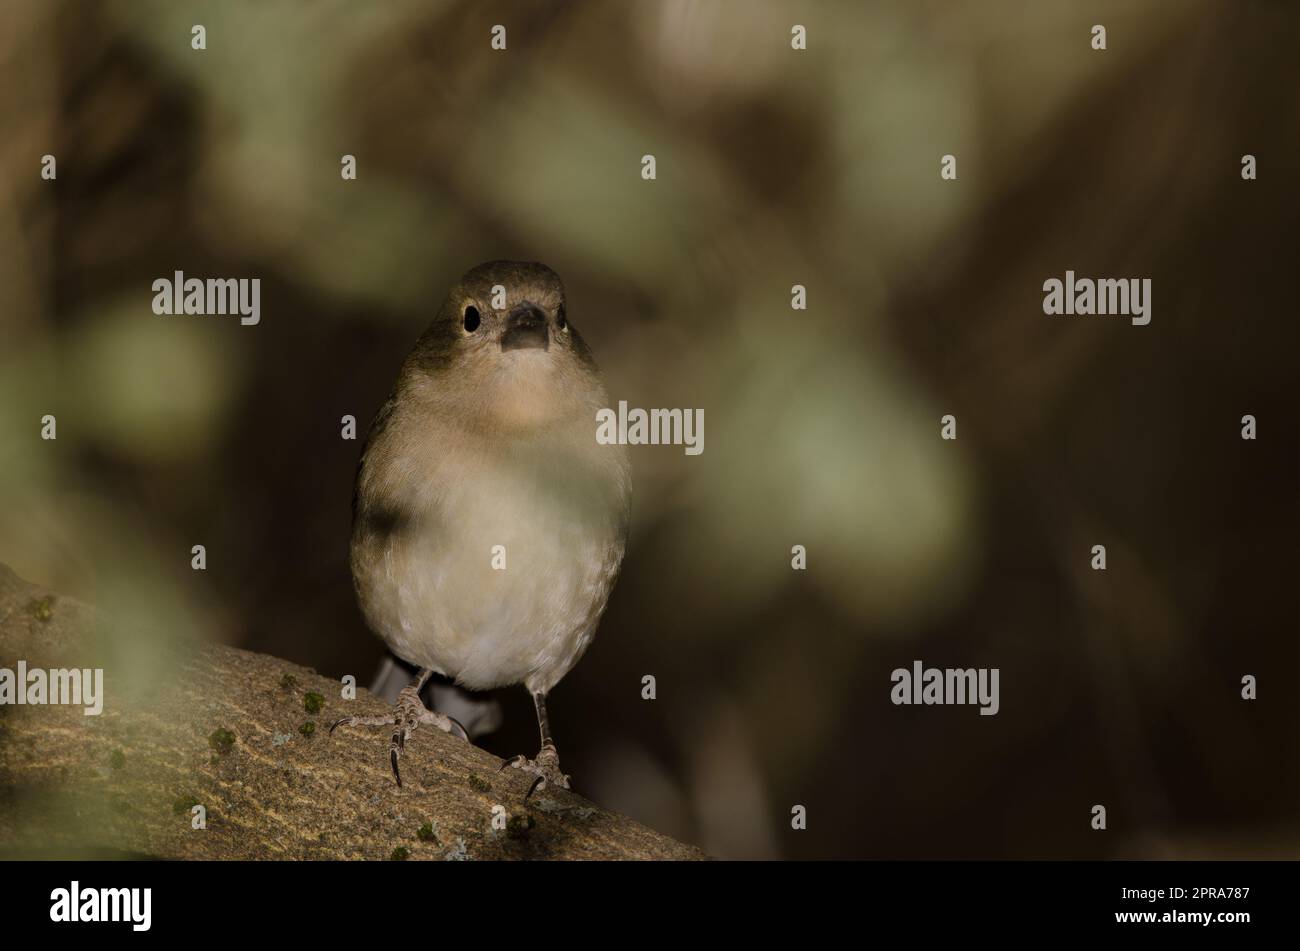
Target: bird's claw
[(408, 715), (545, 768)]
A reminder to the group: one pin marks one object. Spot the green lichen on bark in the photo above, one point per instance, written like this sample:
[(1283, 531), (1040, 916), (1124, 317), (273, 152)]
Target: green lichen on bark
[(222, 741)]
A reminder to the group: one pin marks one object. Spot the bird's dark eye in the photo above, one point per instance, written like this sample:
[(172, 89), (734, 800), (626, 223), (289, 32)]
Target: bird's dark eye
[(471, 319), (560, 320)]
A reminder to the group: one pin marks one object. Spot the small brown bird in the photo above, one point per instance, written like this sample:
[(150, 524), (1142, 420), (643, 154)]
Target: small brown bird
[(488, 523)]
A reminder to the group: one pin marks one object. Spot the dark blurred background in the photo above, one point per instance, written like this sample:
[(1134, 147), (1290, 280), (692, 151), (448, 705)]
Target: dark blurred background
[(775, 167)]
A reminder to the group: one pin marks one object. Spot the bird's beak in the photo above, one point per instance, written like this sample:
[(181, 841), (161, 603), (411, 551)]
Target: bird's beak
[(526, 329)]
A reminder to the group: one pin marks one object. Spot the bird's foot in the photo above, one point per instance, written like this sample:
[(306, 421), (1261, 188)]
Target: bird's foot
[(546, 769), (406, 716)]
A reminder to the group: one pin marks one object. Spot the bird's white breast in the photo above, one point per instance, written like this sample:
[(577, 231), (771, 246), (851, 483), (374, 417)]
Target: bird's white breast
[(490, 560)]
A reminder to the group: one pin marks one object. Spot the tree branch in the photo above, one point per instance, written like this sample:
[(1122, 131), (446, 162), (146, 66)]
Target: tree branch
[(232, 731)]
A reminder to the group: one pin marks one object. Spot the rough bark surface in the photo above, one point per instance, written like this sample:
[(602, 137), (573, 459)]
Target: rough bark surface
[(231, 731)]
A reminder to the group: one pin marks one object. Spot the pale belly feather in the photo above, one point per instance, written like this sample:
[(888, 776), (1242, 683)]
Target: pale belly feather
[(433, 587)]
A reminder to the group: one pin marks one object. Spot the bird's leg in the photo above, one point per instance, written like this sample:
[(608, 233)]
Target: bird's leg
[(408, 714), (546, 766)]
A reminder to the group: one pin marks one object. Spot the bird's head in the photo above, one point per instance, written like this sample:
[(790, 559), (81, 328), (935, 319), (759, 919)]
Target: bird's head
[(503, 353)]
